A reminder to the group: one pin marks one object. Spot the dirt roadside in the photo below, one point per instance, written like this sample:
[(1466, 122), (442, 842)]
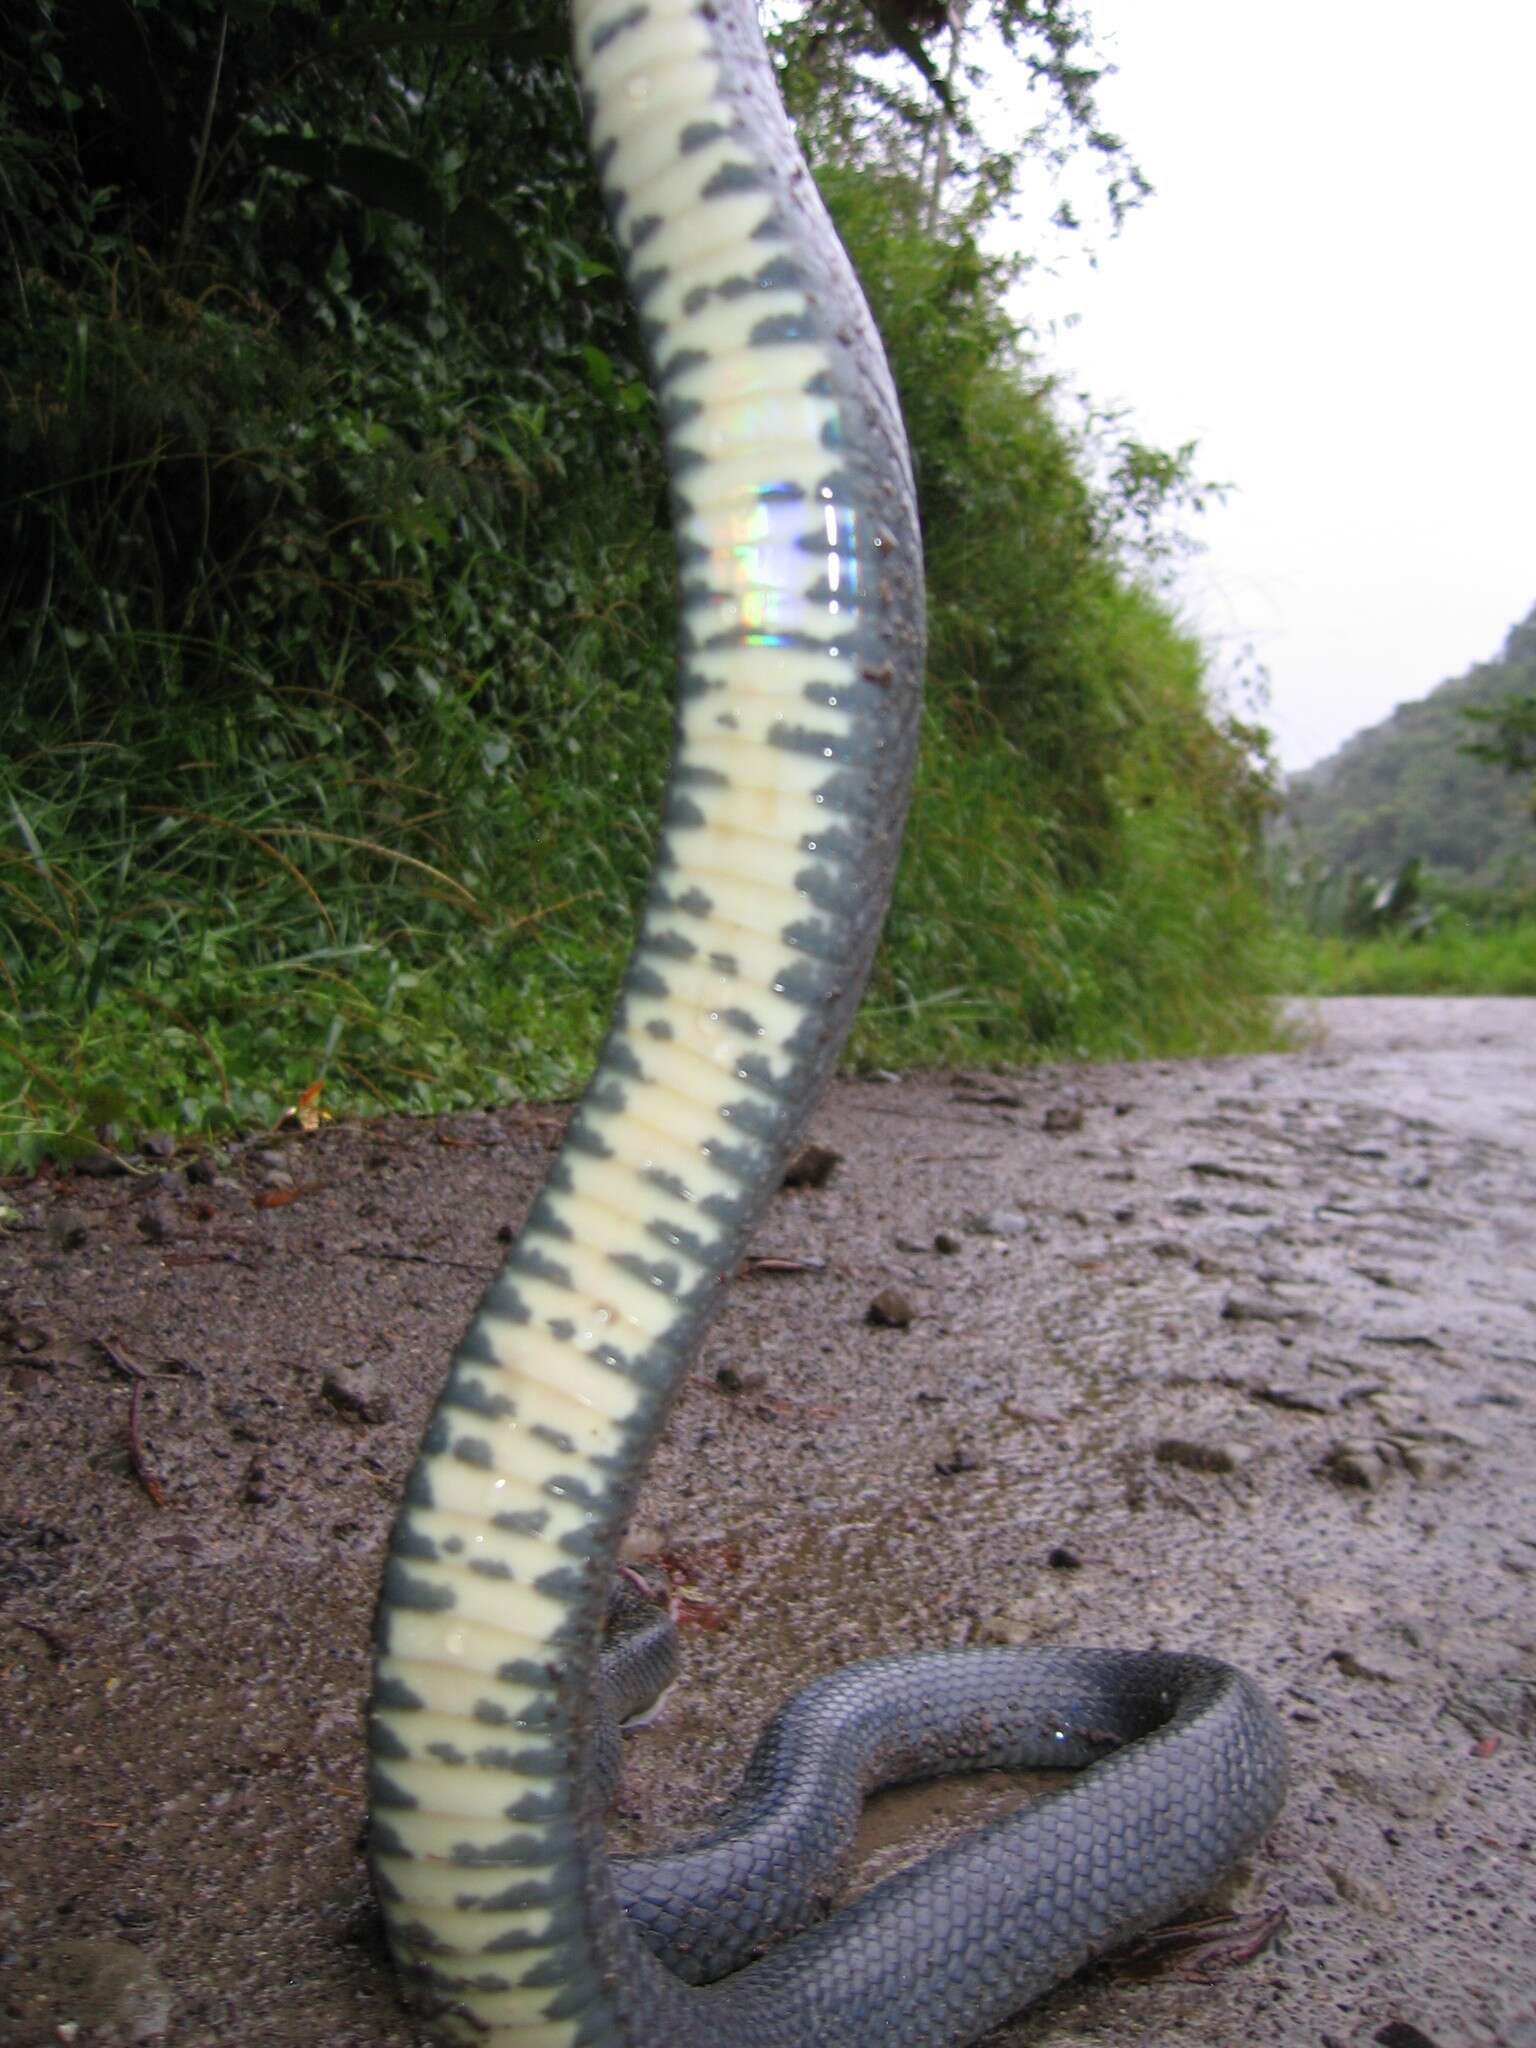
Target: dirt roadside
[(1233, 1355)]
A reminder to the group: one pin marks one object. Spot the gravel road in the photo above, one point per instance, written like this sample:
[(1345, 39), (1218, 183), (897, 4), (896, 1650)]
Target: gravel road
[(1233, 1355)]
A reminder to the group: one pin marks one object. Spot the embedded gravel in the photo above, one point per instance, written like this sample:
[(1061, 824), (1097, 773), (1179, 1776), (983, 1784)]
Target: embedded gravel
[(1236, 1356)]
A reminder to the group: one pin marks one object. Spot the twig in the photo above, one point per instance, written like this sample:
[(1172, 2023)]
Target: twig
[(142, 1471), (119, 1360), (385, 1251), (136, 1457)]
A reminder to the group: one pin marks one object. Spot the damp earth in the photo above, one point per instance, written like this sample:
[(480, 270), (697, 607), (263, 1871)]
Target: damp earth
[(1233, 1355)]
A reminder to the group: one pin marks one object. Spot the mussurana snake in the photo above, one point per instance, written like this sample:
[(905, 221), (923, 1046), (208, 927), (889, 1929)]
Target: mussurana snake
[(801, 657)]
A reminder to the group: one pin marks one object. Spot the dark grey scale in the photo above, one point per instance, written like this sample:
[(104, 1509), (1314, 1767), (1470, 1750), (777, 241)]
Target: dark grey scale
[(688, 358), (852, 751), (403, 1589), (584, 1137), (663, 1274), (463, 1391), (525, 1896), (531, 1808), (643, 981), (531, 1850), (524, 1671), (384, 1791), (667, 1183), (621, 25), (777, 327), (694, 775), (528, 1260), (832, 842), (395, 1696), (557, 1439), (384, 1742), (681, 811), (545, 1218), (826, 885), (677, 413)]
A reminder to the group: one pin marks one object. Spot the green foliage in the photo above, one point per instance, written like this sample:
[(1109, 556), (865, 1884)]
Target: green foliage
[(1459, 958), (335, 603), (914, 119), (1510, 725)]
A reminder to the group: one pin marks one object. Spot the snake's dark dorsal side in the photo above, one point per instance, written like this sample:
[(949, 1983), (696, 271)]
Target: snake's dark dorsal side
[(800, 673)]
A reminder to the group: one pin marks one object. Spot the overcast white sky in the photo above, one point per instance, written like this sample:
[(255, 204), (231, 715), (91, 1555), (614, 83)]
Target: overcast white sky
[(1333, 290)]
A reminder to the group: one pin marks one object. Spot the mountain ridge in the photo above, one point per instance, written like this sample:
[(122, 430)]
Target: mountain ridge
[(1402, 789)]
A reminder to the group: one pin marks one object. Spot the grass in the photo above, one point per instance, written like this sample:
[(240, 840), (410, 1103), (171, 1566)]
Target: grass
[(1458, 958), (203, 915)]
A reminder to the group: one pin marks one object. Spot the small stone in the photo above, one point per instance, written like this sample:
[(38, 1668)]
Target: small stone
[(157, 1221), (1380, 1666), (69, 1230), (890, 1310), (1429, 1465), (1357, 1463), (1304, 1400), (358, 1390), (947, 1241), (1360, 1891), (101, 1165), (1226, 1456), (201, 1172), (812, 1167), (999, 1223), (157, 1145), (1062, 1116), (1246, 1309)]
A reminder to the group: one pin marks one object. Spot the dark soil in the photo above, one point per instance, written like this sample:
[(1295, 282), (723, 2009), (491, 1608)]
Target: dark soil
[(1231, 1355)]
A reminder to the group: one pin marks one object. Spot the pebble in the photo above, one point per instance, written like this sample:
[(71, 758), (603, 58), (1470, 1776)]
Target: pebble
[(157, 1221), (812, 1167), (359, 1390), (1000, 1223), (890, 1310), (1382, 1667), (1360, 1891), (1224, 1456)]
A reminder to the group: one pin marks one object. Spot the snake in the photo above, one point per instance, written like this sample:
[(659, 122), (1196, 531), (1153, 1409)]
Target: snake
[(800, 668)]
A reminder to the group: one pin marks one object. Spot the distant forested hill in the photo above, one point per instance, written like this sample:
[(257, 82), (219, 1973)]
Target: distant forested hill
[(1403, 788)]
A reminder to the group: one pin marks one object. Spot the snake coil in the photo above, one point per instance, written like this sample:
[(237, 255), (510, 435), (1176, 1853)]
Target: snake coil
[(801, 656)]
